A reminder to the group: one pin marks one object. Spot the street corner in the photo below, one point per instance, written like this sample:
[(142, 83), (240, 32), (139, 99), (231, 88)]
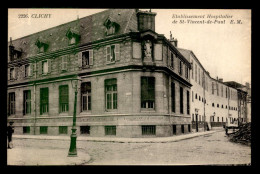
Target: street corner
[(46, 157)]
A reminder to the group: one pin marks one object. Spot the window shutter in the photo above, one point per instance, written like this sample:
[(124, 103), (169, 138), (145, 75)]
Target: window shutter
[(137, 53), (80, 59), (64, 63), (40, 67), (158, 51), (23, 71), (90, 57), (117, 52), (30, 69), (8, 75), (49, 65), (108, 50)]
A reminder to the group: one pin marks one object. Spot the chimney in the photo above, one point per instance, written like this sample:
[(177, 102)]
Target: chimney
[(173, 41), (220, 79), (146, 20)]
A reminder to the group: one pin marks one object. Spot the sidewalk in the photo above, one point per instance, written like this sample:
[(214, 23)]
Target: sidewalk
[(35, 156), (120, 139)]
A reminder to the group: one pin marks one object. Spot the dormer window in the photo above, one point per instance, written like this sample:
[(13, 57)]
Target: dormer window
[(73, 36), (14, 54), (42, 45), (111, 26)]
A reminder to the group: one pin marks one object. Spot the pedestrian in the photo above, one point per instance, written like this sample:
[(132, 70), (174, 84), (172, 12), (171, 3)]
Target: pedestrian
[(10, 131)]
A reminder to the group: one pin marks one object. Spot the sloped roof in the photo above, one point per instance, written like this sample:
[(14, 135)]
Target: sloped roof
[(185, 53), (90, 28)]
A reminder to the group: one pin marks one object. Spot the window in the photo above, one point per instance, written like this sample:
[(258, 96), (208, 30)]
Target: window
[(110, 130), (64, 98), (212, 104), (196, 96), (147, 92), (218, 105), (221, 91), (192, 69), (192, 97), (27, 71), (12, 73), (192, 117), (202, 99), (112, 53), (44, 100), (26, 129), (181, 100), (27, 102), (189, 128), (174, 129), (213, 119), (149, 130), (226, 92), (222, 106), (195, 72), (44, 67), (173, 96), (199, 98), (86, 96), (186, 72), (188, 102), (72, 40), (43, 129), (199, 76), (85, 130), (182, 129), (11, 104), (217, 89), (226, 106), (63, 129), (111, 93), (87, 58), (218, 119), (212, 87), (180, 67), (222, 119), (172, 60)]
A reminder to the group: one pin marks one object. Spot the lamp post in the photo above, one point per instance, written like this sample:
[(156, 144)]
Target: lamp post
[(73, 137)]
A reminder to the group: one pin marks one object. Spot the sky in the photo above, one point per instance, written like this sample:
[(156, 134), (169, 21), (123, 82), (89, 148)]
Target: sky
[(224, 49)]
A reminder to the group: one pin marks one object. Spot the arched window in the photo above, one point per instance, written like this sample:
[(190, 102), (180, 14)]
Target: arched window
[(213, 104), (199, 98), (217, 105), (196, 96)]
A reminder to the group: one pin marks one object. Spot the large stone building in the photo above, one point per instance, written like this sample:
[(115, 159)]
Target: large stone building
[(133, 81)]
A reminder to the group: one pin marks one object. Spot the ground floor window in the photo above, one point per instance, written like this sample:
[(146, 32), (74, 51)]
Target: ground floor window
[(110, 130), (26, 129), (147, 92), (63, 129), (174, 129), (189, 128), (182, 129), (149, 130), (43, 129), (85, 130)]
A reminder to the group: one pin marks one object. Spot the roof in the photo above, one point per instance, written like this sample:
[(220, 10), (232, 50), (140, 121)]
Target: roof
[(234, 84), (90, 28), (185, 53)]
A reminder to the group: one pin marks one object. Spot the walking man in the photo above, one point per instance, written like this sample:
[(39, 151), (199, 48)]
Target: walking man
[(10, 131)]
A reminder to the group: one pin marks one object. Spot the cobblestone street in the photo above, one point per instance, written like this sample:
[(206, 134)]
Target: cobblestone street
[(204, 150)]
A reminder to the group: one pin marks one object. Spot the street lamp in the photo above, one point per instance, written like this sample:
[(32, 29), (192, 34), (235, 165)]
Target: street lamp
[(73, 137)]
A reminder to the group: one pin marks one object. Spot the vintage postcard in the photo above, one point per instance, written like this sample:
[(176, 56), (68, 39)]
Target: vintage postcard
[(129, 87)]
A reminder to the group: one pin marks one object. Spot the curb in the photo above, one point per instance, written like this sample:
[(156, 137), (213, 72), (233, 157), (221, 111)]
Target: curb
[(123, 140)]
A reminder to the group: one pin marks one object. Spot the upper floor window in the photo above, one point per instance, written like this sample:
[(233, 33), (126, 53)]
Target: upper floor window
[(44, 67), (86, 96), (181, 100), (111, 26), (186, 72), (172, 60), (112, 53), (73, 36), (180, 67), (42, 45), (148, 92), (212, 87), (111, 93), (188, 102), (173, 96), (12, 73), (87, 58), (192, 69), (195, 72)]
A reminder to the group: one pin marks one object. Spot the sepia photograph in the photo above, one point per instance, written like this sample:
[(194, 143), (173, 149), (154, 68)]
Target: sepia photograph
[(90, 86)]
